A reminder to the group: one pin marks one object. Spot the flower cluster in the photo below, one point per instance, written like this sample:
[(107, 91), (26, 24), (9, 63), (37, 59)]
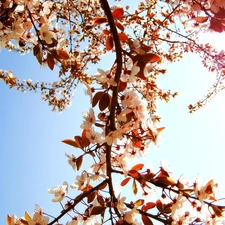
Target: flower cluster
[(121, 124)]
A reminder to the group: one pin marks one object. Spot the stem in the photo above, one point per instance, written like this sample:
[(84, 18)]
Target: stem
[(112, 126), (78, 199)]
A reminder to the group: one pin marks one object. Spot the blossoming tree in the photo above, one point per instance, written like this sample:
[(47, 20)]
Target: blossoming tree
[(122, 122)]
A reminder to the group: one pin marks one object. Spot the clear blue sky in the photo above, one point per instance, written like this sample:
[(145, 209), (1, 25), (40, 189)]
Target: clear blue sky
[(33, 157)]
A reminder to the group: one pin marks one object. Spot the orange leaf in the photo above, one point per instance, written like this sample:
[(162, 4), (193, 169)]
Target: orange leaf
[(63, 54), (134, 174), (123, 37), (109, 43), (201, 19), (217, 210), (50, 61), (100, 20), (8, 220), (137, 167), (139, 202), (152, 58), (125, 181), (70, 142), (119, 25), (118, 13), (160, 129)]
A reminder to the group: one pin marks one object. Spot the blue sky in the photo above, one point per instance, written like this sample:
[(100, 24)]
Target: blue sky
[(33, 157)]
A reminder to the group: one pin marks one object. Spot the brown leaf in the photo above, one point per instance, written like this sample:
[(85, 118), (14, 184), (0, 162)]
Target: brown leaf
[(96, 210), (91, 197), (103, 186), (78, 140), (50, 61), (36, 49), (85, 140), (70, 142), (96, 98), (100, 200), (79, 162), (125, 181), (118, 13), (104, 101), (100, 20), (134, 187), (146, 220), (39, 56), (109, 43)]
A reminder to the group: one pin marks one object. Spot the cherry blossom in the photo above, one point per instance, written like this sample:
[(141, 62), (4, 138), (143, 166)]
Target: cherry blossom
[(59, 191), (89, 119), (38, 217)]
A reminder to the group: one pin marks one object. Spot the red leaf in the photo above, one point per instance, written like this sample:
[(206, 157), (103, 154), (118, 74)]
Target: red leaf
[(109, 43), (119, 25), (100, 20), (118, 13), (123, 37), (146, 220), (70, 142), (50, 61), (147, 206), (125, 181), (122, 86), (63, 54), (216, 25), (106, 32)]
